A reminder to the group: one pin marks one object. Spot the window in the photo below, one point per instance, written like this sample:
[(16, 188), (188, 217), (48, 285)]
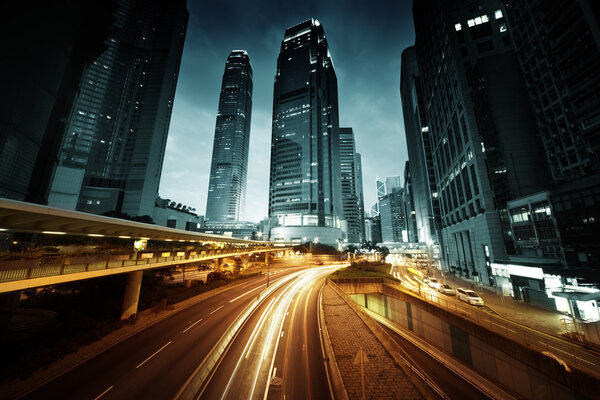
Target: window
[(498, 14), (458, 27)]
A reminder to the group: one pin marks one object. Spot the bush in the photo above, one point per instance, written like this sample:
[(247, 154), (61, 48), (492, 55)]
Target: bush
[(215, 276)]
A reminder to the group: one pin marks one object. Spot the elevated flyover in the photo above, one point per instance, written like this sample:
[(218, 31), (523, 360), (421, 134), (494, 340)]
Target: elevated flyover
[(35, 269)]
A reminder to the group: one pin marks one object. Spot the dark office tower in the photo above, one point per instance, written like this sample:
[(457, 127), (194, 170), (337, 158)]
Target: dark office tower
[(418, 141), (409, 208), (305, 190), (481, 126), (113, 151), (558, 46), (229, 167), (45, 49), (360, 194), (559, 51), (350, 202)]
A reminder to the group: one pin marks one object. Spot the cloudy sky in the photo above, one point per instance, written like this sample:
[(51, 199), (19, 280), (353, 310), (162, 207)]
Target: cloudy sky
[(366, 40)]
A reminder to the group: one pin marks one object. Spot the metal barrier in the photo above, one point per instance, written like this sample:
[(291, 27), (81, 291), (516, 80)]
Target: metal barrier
[(59, 264)]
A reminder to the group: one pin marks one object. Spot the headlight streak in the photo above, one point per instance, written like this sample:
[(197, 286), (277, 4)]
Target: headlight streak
[(309, 277), (268, 291), (272, 318)]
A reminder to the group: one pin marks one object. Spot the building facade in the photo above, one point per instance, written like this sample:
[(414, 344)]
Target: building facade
[(482, 131), (41, 69), (392, 217), (409, 206), (112, 154), (360, 195), (350, 199), (229, 166), (420, 153), (305, 187), (393, 182)]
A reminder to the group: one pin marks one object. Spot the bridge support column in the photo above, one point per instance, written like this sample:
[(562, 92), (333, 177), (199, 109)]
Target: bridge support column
[(218, 264), (132, 294)]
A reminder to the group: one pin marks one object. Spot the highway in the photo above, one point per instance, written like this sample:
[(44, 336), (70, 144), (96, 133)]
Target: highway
[(277, 354), (155, 362)]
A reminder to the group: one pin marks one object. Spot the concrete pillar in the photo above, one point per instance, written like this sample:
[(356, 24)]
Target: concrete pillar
[(132, 294), (218, 264)]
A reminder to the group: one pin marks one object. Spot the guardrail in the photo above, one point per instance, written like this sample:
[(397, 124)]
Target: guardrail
[(540, 341), (60, 264)]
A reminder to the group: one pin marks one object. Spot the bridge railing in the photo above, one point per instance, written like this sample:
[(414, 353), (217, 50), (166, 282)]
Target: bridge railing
[(60, 264)]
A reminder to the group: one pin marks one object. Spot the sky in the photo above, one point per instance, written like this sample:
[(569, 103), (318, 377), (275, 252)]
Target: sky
[(366, 40)]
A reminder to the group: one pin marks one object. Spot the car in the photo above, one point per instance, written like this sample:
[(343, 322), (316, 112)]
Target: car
[(445, 289), (433, 283), (469, 296)]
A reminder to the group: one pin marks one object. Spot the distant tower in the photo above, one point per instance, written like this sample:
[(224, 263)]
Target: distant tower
[(112, 154), (304, 192), (350, 199), (229, 167)]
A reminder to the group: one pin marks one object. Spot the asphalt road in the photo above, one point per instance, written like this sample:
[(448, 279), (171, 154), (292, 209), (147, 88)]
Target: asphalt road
[(155, 362), (277, 354)]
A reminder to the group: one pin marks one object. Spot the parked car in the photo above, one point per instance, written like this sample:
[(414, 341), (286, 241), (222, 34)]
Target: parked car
[(433, 283), (469, 296), (445, 289)]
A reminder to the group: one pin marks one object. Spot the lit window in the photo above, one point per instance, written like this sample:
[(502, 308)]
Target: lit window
[(498, 14), (425, 129), (503, 28), (458, 27), (478, 21), (484, 18), (471, 22)]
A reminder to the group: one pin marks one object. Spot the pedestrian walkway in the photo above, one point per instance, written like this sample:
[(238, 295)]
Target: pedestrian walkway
[(548, 321), (383, 377)]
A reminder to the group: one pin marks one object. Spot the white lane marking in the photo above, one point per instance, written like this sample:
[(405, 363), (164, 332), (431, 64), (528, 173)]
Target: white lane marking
[(216, 309), (274, 371), (191, 326), (103, 393), (155, 353), (242, 295)]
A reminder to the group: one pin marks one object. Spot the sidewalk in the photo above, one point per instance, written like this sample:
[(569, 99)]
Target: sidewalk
[(383, 377), (514, 310)]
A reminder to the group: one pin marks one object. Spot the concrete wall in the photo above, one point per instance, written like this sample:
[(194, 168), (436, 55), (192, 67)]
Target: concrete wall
[(512, 365)]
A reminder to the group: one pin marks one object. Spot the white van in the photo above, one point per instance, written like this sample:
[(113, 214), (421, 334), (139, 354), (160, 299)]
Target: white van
[(469, 296)]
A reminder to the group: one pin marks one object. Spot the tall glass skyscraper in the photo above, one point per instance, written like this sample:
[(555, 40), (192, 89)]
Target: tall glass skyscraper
[(112, 154), (305, 189), (229, 167), (350, 201)]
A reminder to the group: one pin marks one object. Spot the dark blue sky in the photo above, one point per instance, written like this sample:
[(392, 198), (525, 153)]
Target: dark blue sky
[(366, 40)]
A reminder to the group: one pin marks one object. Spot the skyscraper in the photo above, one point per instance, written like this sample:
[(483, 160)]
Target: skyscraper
[(112, 155), (360, 194), (305, 189), (393, 182), (418, 142), (392, 216), (229, 166), (350, 201), (46, 48), (483, 134), (409, 205), (559, 53)]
